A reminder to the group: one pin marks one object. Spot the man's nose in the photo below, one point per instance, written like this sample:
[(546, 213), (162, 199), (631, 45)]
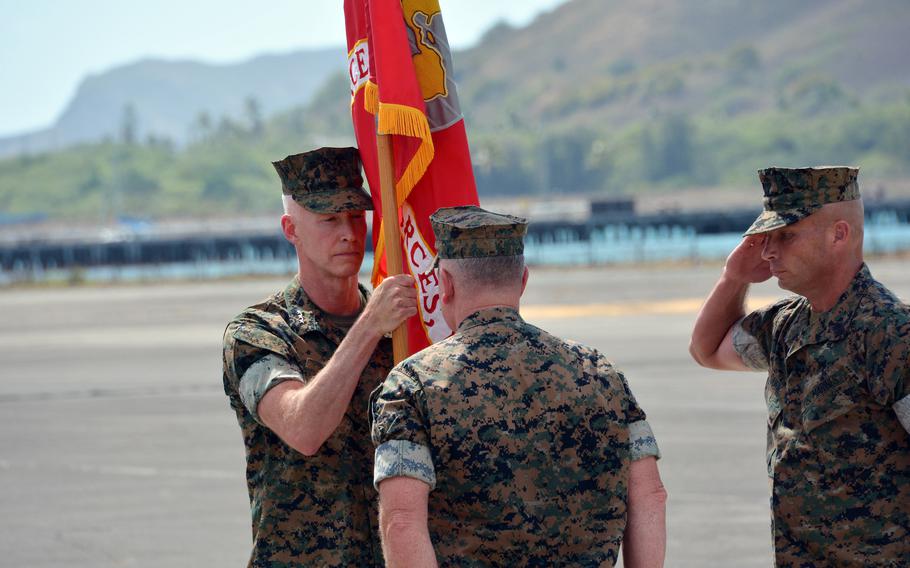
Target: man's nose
[(349, 232), (768, 250)]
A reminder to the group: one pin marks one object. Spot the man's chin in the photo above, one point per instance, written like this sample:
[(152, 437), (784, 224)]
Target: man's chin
[(348, 265), (785, 284)]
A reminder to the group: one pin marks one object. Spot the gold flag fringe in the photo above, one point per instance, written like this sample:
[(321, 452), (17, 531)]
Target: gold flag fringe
[(371, 97), (399, 120), (408, 121), (376, 278)]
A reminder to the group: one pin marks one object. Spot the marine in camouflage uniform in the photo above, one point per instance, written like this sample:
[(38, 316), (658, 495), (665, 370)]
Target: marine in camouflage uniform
[(319, 509), (838, 393), (524, 439)]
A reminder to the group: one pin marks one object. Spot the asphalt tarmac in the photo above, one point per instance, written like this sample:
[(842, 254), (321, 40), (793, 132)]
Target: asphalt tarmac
[(118, 447)]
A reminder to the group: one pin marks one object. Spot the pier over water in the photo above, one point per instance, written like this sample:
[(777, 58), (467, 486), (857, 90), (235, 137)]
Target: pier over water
[(594, 232)]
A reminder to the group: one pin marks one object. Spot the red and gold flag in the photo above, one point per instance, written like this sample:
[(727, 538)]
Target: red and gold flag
[(402, 84)]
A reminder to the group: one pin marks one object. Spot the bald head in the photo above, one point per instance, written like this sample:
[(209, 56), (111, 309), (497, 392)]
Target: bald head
[(850, 211)]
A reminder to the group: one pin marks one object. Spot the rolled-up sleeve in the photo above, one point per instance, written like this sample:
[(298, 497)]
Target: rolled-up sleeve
[(748, 348), (399, 430), (263, 375), (401, 458), (642, 442), (902, 409), (753, 335)]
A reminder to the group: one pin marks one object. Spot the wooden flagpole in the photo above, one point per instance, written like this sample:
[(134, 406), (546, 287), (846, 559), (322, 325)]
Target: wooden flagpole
[(391, 233)]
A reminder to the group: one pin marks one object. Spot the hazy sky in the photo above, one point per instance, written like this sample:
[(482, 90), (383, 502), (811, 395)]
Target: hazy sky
[(48, 46)]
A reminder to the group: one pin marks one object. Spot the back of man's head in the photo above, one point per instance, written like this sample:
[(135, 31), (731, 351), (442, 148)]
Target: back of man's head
[(481, 256), (495, 272)]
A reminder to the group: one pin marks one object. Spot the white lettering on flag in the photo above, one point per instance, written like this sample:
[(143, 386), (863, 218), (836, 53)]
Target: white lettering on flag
[(420, 260), (359, 65)]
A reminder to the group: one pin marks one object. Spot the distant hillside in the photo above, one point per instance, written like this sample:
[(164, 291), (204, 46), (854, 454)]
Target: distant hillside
[(597, 97), (624, 61), (612, 96), (605, 95), (178, 100), (607, 60)]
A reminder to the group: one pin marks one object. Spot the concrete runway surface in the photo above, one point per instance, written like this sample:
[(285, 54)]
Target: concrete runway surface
[(118, 447)]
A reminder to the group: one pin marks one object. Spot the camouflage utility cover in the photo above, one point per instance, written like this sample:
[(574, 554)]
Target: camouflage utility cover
[(307, 511), (326, 180), (526, 438), (471, 232), (838, 455), (792, 194)]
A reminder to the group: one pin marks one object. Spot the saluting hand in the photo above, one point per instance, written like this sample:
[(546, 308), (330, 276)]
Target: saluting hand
[(745, 264), (392, 302)]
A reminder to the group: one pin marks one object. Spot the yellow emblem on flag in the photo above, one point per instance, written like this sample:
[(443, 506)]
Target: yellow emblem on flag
[(429, 63)]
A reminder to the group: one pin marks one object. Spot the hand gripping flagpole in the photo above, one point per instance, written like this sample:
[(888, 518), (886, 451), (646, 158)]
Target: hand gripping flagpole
[(391, 234)]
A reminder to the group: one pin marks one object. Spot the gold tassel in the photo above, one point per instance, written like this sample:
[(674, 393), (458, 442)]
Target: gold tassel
[(408, 121), (371, 97)]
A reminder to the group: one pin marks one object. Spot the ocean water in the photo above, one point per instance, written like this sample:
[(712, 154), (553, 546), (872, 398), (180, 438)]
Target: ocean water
[(617, 244)]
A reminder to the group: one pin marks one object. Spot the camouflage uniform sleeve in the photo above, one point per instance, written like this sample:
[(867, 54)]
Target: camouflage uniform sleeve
[(399, 430), (888, 368), (262, 376), (902, 409), (255, 361), (753, 336), (642, 442)]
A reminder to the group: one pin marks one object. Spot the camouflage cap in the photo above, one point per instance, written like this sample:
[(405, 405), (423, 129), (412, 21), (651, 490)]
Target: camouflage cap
[(471, 232), (792, 194), (326, 180)]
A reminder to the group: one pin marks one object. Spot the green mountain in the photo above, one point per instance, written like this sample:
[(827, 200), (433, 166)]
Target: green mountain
[(687, 92), (595, 97), (626, 61)]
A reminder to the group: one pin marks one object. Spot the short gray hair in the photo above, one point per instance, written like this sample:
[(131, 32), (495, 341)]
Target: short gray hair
[(493, 271)]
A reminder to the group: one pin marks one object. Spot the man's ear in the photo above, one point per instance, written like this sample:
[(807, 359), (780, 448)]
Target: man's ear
[(288, 229), (842, 231), (524, 280), (447, 285)]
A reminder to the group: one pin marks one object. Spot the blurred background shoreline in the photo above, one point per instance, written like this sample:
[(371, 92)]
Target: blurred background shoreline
[(566, 232)]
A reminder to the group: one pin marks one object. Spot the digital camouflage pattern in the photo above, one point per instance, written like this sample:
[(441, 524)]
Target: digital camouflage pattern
[(529, 437), (792, 194), (326, 180), (471, 232), (306, 511), (839, 457)]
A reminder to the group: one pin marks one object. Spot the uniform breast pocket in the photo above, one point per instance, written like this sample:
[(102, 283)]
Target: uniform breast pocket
[(831, 396)]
